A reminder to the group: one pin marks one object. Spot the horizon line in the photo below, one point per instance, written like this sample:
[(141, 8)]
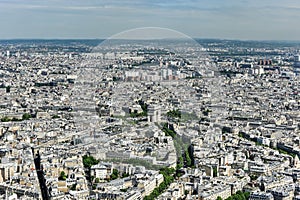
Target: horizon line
[(195, 38)]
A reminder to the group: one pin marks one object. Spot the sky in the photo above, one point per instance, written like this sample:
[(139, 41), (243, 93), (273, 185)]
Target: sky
[(83, 19)]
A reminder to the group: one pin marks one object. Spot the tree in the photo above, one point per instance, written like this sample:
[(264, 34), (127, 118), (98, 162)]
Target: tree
[(155, 192), (97, 180), (219, 198), (247, 195), (55, 117), (62, 176), (89, 161), (73, 187), (168, 174), (92, 178), (180, 163), (188, 159), (186, 192), (15, 119), (26, 116), (239, 195), (253, 177), (115, 174), (215, 172), (144, 106), (124, 175), (174, 114), (168, 131), (5, 119)]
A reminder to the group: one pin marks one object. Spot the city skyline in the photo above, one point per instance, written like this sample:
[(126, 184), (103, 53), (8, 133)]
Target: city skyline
[(149, 114), (243, 20)]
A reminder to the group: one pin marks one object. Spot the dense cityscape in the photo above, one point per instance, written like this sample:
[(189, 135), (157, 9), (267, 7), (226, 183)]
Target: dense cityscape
[(197, 119)]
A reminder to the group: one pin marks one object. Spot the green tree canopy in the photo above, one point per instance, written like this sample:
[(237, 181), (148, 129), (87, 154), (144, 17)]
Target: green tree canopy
[(89, 161), (115, 174), (26, 116), (62, 176)]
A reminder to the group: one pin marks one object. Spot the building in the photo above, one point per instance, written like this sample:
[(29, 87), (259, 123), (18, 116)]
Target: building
[(215, 191), (154, 113), (285, 192), (99, 171), (297, 64), (261, 196)]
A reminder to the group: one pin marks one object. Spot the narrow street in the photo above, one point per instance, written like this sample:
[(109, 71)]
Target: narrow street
[(42, 181)]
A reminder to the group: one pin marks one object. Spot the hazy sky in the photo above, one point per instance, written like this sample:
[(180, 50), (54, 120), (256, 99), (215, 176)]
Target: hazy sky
[(227, 19)]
